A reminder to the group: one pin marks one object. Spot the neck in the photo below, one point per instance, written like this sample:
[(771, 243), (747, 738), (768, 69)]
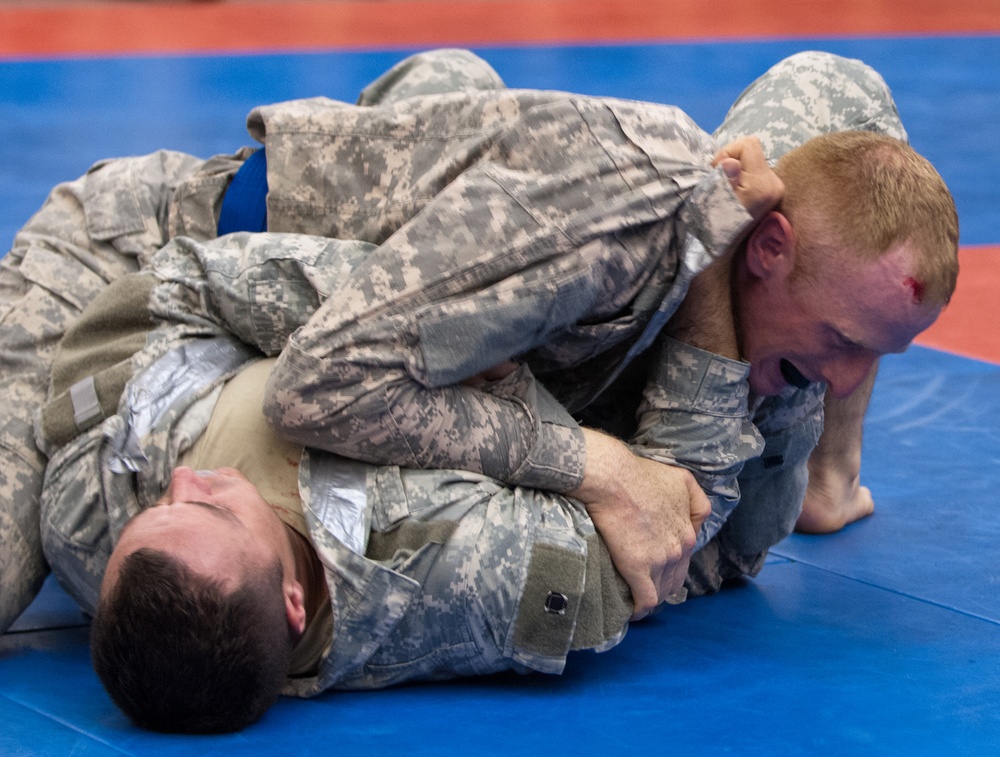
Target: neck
[(706, 318), (738, 283), (308, 571)]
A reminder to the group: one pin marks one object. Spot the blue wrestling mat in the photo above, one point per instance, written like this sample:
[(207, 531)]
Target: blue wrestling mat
[(883, 639)]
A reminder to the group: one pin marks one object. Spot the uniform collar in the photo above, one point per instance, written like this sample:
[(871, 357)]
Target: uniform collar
[(368, 600)]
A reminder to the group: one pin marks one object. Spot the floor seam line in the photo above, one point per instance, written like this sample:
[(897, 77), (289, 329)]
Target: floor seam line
[(897, 592), (65, 723)]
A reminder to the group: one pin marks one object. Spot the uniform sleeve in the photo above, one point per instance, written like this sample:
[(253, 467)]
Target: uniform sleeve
[(516, 250), (772, 486), (695, 415), (263, 287), (258, 287), (382, 372)]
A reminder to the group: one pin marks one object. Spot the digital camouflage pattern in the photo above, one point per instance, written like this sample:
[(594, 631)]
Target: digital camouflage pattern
[(88, 233), (463, 584), (91, 231), (487, 559), (433, 574), (809, 94), (559, 241), (543, 226)]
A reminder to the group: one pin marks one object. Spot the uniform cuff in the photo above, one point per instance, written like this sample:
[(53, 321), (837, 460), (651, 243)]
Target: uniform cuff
[(714, 214), (555, 460)]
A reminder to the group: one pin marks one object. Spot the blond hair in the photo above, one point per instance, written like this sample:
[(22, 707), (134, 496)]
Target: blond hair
[(863, 192)]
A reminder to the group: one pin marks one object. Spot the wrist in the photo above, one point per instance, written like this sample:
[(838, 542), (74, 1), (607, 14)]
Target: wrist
[(604, 462)]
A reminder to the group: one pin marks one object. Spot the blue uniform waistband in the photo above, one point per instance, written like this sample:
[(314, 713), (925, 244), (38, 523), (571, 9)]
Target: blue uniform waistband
[(244, 206)]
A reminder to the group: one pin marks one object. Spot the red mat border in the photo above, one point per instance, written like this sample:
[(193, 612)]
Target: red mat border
[(211, 27), (968, 326)]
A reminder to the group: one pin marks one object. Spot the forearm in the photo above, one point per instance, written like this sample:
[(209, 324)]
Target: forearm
[(694, 415), (695, 411), (509, 429), (648, 515), (259, 287), (381, 371)]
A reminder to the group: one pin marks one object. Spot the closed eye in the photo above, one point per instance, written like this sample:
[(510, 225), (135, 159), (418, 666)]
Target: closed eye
[(219, 511), (844, 342)]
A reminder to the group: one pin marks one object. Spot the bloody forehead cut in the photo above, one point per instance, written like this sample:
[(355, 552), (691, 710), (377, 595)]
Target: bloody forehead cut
[(916, 289)]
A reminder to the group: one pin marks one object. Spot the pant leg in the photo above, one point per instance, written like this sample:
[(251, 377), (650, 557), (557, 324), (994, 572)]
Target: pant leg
[(432, 73), (809, 94), (88, 233)]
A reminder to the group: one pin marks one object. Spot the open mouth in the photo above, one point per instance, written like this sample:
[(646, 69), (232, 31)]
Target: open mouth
[(792, 375)]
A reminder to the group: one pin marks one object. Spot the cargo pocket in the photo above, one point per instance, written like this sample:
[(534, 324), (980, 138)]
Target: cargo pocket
[(112, 201), (63, 276), (75, 535)]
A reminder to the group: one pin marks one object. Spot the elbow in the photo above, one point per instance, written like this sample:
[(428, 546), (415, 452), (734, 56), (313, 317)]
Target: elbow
[(288, 405), (276, 406), (307, 407)]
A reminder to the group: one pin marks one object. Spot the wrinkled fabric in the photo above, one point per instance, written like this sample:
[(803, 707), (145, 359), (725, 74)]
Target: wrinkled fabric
[(542, 226), (468, 567), (462, 578), (88, 233), (92, 231), (567, 229)]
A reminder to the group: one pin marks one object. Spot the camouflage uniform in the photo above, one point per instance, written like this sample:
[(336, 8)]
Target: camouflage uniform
[(88, 233), (371, 207), (432, 574), (562, 231)]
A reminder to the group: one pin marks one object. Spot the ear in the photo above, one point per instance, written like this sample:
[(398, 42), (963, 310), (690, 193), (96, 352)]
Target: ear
[(295, 608), (770, 250)]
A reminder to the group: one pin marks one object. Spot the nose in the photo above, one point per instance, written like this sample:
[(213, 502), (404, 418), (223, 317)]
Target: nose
[(847, 374), (187, 486)]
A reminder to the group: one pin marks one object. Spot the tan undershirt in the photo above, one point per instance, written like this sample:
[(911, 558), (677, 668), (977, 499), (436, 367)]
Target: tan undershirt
[(238, 437)]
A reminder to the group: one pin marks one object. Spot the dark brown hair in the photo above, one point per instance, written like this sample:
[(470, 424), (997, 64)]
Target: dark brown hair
[(179, 654)]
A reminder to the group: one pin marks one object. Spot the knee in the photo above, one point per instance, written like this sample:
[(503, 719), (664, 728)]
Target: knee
[(837, 77), (430, 73), (461, 64), (823, 64), (854, 95)]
